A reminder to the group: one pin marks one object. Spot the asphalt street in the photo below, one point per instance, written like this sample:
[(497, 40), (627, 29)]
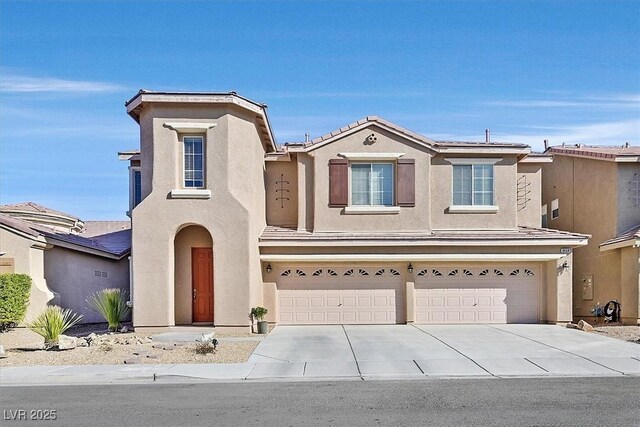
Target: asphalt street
[(611, 401)]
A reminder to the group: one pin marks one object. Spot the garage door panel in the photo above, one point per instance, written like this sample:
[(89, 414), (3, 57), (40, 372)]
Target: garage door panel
[(473, 298), (356, 298)]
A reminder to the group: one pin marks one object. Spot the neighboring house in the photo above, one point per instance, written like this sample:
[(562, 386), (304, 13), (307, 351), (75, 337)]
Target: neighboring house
[(371, 223), (596, 190), (68, 259)]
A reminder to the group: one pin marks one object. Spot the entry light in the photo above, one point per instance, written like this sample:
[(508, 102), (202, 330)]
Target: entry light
[(269, 268), (565, 266), (410, 268)]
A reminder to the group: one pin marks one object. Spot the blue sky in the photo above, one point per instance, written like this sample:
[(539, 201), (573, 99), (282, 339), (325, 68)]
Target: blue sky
[(568, 71)]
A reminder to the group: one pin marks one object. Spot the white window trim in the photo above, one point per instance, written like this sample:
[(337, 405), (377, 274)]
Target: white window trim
[(470, 161), (372, 209), (371, 156), (195, 193), (204, 161), (364, 210), (555, 205), (190, 127), (473, 209)]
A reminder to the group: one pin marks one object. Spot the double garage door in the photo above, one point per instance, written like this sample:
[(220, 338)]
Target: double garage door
[(366, 295)]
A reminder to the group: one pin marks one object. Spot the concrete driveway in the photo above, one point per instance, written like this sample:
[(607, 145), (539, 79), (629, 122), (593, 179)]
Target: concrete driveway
[(440, 351)]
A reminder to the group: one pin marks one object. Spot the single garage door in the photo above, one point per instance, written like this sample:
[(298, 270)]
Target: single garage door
[(477, 295), (338, 295)]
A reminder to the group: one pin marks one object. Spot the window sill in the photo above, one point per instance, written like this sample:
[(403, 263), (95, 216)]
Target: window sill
[(473, 209), (195, 193), (364, 210)]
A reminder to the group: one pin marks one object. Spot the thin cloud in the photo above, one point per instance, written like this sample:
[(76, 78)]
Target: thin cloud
[(23, 84), (614, 101)]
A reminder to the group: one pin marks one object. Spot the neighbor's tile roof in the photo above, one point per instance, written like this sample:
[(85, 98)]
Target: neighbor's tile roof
[(273, 234), (596, 151), (18, 224), (34, 207), (630, 234)]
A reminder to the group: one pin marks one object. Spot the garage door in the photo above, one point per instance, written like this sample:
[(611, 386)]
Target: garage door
[(352, 295), (477, 295)]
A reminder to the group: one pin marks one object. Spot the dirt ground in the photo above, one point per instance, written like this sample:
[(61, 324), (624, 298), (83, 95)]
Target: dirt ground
[(23, 348), (626, 333)]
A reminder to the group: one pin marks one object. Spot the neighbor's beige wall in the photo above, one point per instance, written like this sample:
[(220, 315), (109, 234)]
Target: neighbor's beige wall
[(529, 194), (504, 197), (28, 260), (559, 289), (333, 219), (234, 215), (588, 197), (192, 236), (628, 208), (630, 283), (71, 274), (283, 212)]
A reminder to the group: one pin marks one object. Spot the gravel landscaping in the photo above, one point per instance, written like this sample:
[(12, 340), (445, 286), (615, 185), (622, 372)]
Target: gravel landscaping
[(22, 348), (626, 333)]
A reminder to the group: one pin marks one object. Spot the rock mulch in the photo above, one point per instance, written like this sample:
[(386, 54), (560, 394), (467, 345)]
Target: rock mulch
[(23, 348), (627, 333)]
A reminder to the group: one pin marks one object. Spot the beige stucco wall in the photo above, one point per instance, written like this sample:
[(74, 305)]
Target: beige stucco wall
[(28, 256), (71, 274), (189, 237), (332, 219), (529, 194), (504, 198), (282, 199), (234, 215), (628, 207), (630, 284), (588, 196)]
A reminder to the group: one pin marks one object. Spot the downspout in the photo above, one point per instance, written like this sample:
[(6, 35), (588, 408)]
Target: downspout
[(130, 302)]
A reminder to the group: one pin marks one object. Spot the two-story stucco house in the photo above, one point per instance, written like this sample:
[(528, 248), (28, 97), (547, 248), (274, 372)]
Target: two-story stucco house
[(371, 223), (596, 190)]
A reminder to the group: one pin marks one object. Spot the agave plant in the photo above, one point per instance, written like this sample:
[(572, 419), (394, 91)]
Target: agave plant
[(112, 305), (53, 322)]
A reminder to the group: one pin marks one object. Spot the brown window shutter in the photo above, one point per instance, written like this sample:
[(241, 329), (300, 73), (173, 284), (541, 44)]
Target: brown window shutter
[(338, 182), (406, 186)]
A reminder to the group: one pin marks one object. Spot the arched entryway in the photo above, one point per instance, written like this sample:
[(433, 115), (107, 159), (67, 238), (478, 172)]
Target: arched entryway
[(194, 287)]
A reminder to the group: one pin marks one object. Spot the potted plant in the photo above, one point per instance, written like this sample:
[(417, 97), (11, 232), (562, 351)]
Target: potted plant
[(259, 313)]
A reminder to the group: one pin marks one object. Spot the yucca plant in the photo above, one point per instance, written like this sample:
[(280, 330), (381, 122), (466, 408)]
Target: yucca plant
[(112, 305), (53, 322)]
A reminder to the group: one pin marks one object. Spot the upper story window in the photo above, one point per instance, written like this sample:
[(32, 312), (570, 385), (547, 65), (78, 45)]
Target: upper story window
[(193, 161), (136, 187), (473, 185), (372, 184), (544, 216), (555, 209)]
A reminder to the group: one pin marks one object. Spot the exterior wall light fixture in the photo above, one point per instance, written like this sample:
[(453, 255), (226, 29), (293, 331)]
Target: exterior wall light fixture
[(269, 268), (410, 268)]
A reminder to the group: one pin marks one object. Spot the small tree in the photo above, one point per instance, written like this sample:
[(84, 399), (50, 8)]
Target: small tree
[(14, 299), (112, 305), (53, 322)]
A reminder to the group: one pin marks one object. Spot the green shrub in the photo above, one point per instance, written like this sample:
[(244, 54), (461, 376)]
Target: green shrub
[(53, 322), (112, 305), (14, 299), (259, 312)]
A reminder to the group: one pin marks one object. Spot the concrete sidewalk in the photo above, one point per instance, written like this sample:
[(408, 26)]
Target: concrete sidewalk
[(379, 352)]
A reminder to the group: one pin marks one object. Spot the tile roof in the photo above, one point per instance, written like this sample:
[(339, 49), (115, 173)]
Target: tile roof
[(35, 208), (275, 234), (597, 151), (18, 224), (416, 136), (630, 234)]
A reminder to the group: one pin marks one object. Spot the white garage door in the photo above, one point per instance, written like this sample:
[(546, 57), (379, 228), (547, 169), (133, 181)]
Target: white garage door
[(477, 295), (334, 295)]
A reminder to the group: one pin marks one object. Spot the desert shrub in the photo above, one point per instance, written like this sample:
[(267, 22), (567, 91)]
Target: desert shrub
[(53, 322), (14, 299), (112, 305), (259, 312), (207, 347)]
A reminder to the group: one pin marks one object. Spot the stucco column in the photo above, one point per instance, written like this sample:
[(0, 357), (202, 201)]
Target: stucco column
[(302, 196), (410, 294), (270, 301), (560, 290)]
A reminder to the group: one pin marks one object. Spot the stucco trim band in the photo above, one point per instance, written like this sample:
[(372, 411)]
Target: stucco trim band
[(364, 210), (371, 156), (472, 161), (190, 194), (186, 127), (473, 209), (407, 257)]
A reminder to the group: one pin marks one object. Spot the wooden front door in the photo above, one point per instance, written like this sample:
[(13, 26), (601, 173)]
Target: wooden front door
[(202, 283)]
